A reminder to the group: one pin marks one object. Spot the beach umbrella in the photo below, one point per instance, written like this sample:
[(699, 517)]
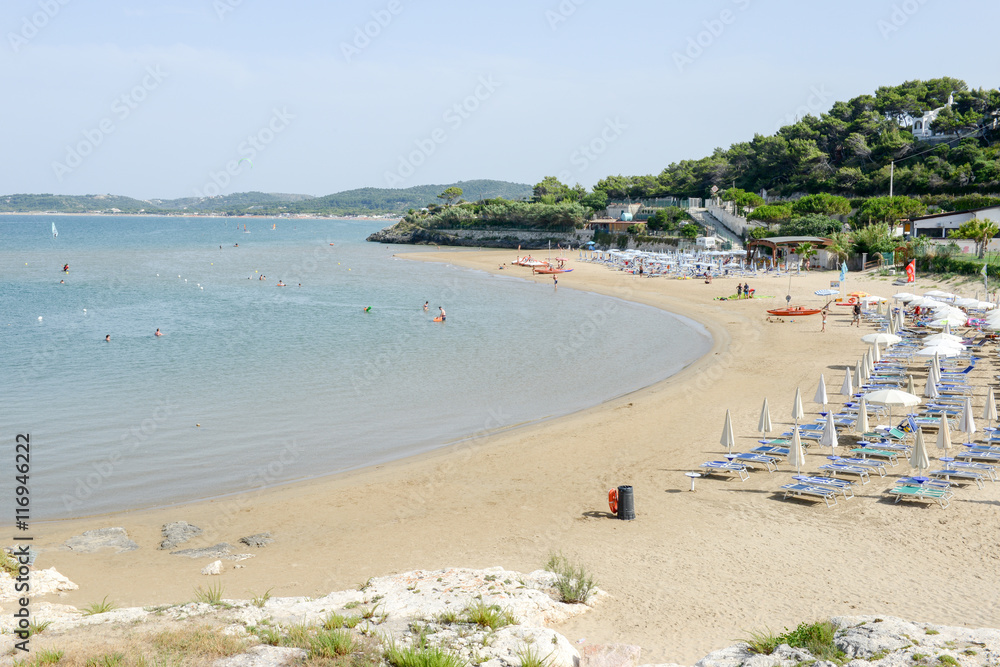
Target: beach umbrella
[(944, 434), (892, 325), (990, 409), (967, 423), (728, 439), (939, 294), (847, 388), (865, 372), (869, 362), (903, 296), (936, 368), (764, 424), (797, 411), (918, 457), (930, 390), (861, 425), (891, 398), (820, 396), (939, 351), (881, 339), (796, 456), (909, 385), (858, 377), (900, 320), (947, 325), (876, 357), (829, 436), (936, 339)]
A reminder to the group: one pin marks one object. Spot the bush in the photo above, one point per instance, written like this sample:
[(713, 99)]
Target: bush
[(817, 638), (573, 583), (421, 657), (331, 643), (489, 616)]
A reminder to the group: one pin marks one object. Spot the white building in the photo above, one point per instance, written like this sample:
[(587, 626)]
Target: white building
[(939, 224), (921, 127)]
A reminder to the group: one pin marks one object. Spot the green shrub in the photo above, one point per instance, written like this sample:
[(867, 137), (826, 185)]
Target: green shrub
[(763, 641), (211, 595), (99, 607), (489, 616), (332, 643), (948, 660), (817, 638), (573, 583), (421, 657), (530, 657)]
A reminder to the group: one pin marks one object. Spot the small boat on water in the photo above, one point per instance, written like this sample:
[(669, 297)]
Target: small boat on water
[(550, 269), (793, 311)]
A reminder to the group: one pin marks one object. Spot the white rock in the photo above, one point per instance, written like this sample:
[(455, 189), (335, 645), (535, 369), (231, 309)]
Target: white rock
[(213, 568), (43, 582), (263, 656)]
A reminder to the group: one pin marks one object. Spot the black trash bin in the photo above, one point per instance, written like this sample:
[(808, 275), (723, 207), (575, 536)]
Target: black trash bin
[(626, 503)]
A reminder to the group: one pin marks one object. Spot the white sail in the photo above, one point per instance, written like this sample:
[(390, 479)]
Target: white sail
[(54, 232)]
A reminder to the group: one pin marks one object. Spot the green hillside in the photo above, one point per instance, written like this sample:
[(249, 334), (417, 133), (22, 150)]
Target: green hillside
[(848, 151)]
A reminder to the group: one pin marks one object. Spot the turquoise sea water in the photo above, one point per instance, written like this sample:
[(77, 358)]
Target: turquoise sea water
[(286, 383)]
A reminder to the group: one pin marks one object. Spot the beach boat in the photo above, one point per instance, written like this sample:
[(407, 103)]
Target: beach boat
[(549, 269), (793, 311)]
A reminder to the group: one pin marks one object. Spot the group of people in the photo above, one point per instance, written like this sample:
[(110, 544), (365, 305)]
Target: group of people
[(744, 291)]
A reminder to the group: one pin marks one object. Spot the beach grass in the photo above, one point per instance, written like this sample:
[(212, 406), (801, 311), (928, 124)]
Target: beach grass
[(573, 583), (530, 657), (211, 595), (817, 638), (421, 656), (202, 642), (101, 607), (261, 600), (332, 643), (488, 616)]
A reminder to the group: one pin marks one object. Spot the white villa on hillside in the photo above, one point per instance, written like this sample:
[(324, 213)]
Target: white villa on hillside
[(921, 127), (939, 224)]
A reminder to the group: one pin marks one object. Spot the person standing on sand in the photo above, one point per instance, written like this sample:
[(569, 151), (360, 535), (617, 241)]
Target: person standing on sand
[(857, 315), (823, 312)]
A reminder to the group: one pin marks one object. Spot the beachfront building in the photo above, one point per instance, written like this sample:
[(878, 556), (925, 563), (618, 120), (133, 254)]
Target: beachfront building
[(620, 211), (938, 225), (614, 225)]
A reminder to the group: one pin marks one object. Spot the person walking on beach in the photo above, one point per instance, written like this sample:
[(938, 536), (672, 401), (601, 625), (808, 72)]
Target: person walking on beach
[(857, 315), (823, 312)]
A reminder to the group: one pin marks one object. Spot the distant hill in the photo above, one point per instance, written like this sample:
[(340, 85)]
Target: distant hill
[(363, 201)]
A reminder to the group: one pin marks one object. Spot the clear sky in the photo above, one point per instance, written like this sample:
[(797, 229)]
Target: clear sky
[(163, 99)]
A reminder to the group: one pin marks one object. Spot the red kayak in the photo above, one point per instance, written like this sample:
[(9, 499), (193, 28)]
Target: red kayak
[(549, 269), (794, 310)]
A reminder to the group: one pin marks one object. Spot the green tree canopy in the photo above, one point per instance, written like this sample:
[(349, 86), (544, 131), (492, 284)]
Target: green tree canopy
[(811, 225), (550, 187), (822, 204), (888, 209), (980, 230), (451, 195), (771, 212)]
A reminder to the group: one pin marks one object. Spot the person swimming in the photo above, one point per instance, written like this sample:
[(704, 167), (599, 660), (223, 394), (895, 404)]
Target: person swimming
[(425, 305), (280, 284), (107, 339), (441, 308), (158, 333)]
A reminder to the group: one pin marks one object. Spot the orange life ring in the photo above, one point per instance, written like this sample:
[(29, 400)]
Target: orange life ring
[(613, 500), (852, 300)]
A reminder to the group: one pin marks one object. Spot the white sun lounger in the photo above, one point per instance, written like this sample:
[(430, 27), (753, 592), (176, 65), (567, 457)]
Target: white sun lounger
[(960, 475), (727, 466), (769, 462), (835, 468), (798, 490), (877, 466), (984, 468), (843, 485)]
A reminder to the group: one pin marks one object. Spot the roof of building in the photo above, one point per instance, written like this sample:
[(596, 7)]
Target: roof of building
[(947, 213)]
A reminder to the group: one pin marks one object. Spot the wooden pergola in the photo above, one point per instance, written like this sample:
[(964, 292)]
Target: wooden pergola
[(789, 243)]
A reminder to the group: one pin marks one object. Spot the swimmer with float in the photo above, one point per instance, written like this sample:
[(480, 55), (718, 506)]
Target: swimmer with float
[(440, 318)]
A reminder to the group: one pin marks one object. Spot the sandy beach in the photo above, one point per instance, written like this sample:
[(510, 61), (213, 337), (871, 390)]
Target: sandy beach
[(693, 573)]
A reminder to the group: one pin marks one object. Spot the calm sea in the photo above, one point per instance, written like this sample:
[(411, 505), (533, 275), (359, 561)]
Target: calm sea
[(252, 384)]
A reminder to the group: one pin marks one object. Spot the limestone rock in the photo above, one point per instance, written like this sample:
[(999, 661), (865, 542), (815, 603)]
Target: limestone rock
[(609, 655), (213, 568), (43, 582), (176, 533), (259, 540), (219, 550), (102, 538)]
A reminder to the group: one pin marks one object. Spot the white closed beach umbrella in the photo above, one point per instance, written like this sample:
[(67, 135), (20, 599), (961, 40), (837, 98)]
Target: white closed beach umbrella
[(930, 389), (797, 411), (829, 435), (820, 396), (870, 362), (858, 375), (990, 409), (796, 456), (728, 439), (892, 324), (936, 367), (764, 423), (876, 355), (847, 387), (909, 385), (861, 425), (944, 434), (918, 457), (947, 325), (967, 423)]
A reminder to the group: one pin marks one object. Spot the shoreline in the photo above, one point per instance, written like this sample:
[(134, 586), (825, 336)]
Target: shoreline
[(694, 572)]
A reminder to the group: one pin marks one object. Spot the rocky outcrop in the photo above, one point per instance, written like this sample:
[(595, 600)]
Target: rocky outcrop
[(102, 538), (177, 533), (410, 234), (257, 541)]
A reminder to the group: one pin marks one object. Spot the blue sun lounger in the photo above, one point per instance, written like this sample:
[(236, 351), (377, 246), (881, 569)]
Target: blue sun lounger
[(799, 490), (958, 476), (865, 452), (877, 466), (770, 450), (940, 496), (835, 468), (979, 455), (843, 485), (984, 468), (726, 466), (769, 462)]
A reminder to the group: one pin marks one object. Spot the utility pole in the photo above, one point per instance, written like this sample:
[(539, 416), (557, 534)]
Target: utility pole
[(892, 171)]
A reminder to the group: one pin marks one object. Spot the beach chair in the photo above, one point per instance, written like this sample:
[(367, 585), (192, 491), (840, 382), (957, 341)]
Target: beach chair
[(956, 476), (897, 447), (865, 452), (843, 485), (714, 467), (984, 468), (770, 450), (799, 490), (845, 469), (769, 462), (886, 433), (940, 496), (877, 466), (979, 455), (923, 481)]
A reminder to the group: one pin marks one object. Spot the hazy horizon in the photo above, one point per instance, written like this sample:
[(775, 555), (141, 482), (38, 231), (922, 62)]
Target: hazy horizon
[(167, 101)]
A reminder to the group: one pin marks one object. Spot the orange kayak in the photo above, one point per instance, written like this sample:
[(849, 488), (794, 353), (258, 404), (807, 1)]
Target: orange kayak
[(794, 310)]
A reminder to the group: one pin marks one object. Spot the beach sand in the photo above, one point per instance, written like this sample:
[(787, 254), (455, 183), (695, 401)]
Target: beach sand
[(693, 573)]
